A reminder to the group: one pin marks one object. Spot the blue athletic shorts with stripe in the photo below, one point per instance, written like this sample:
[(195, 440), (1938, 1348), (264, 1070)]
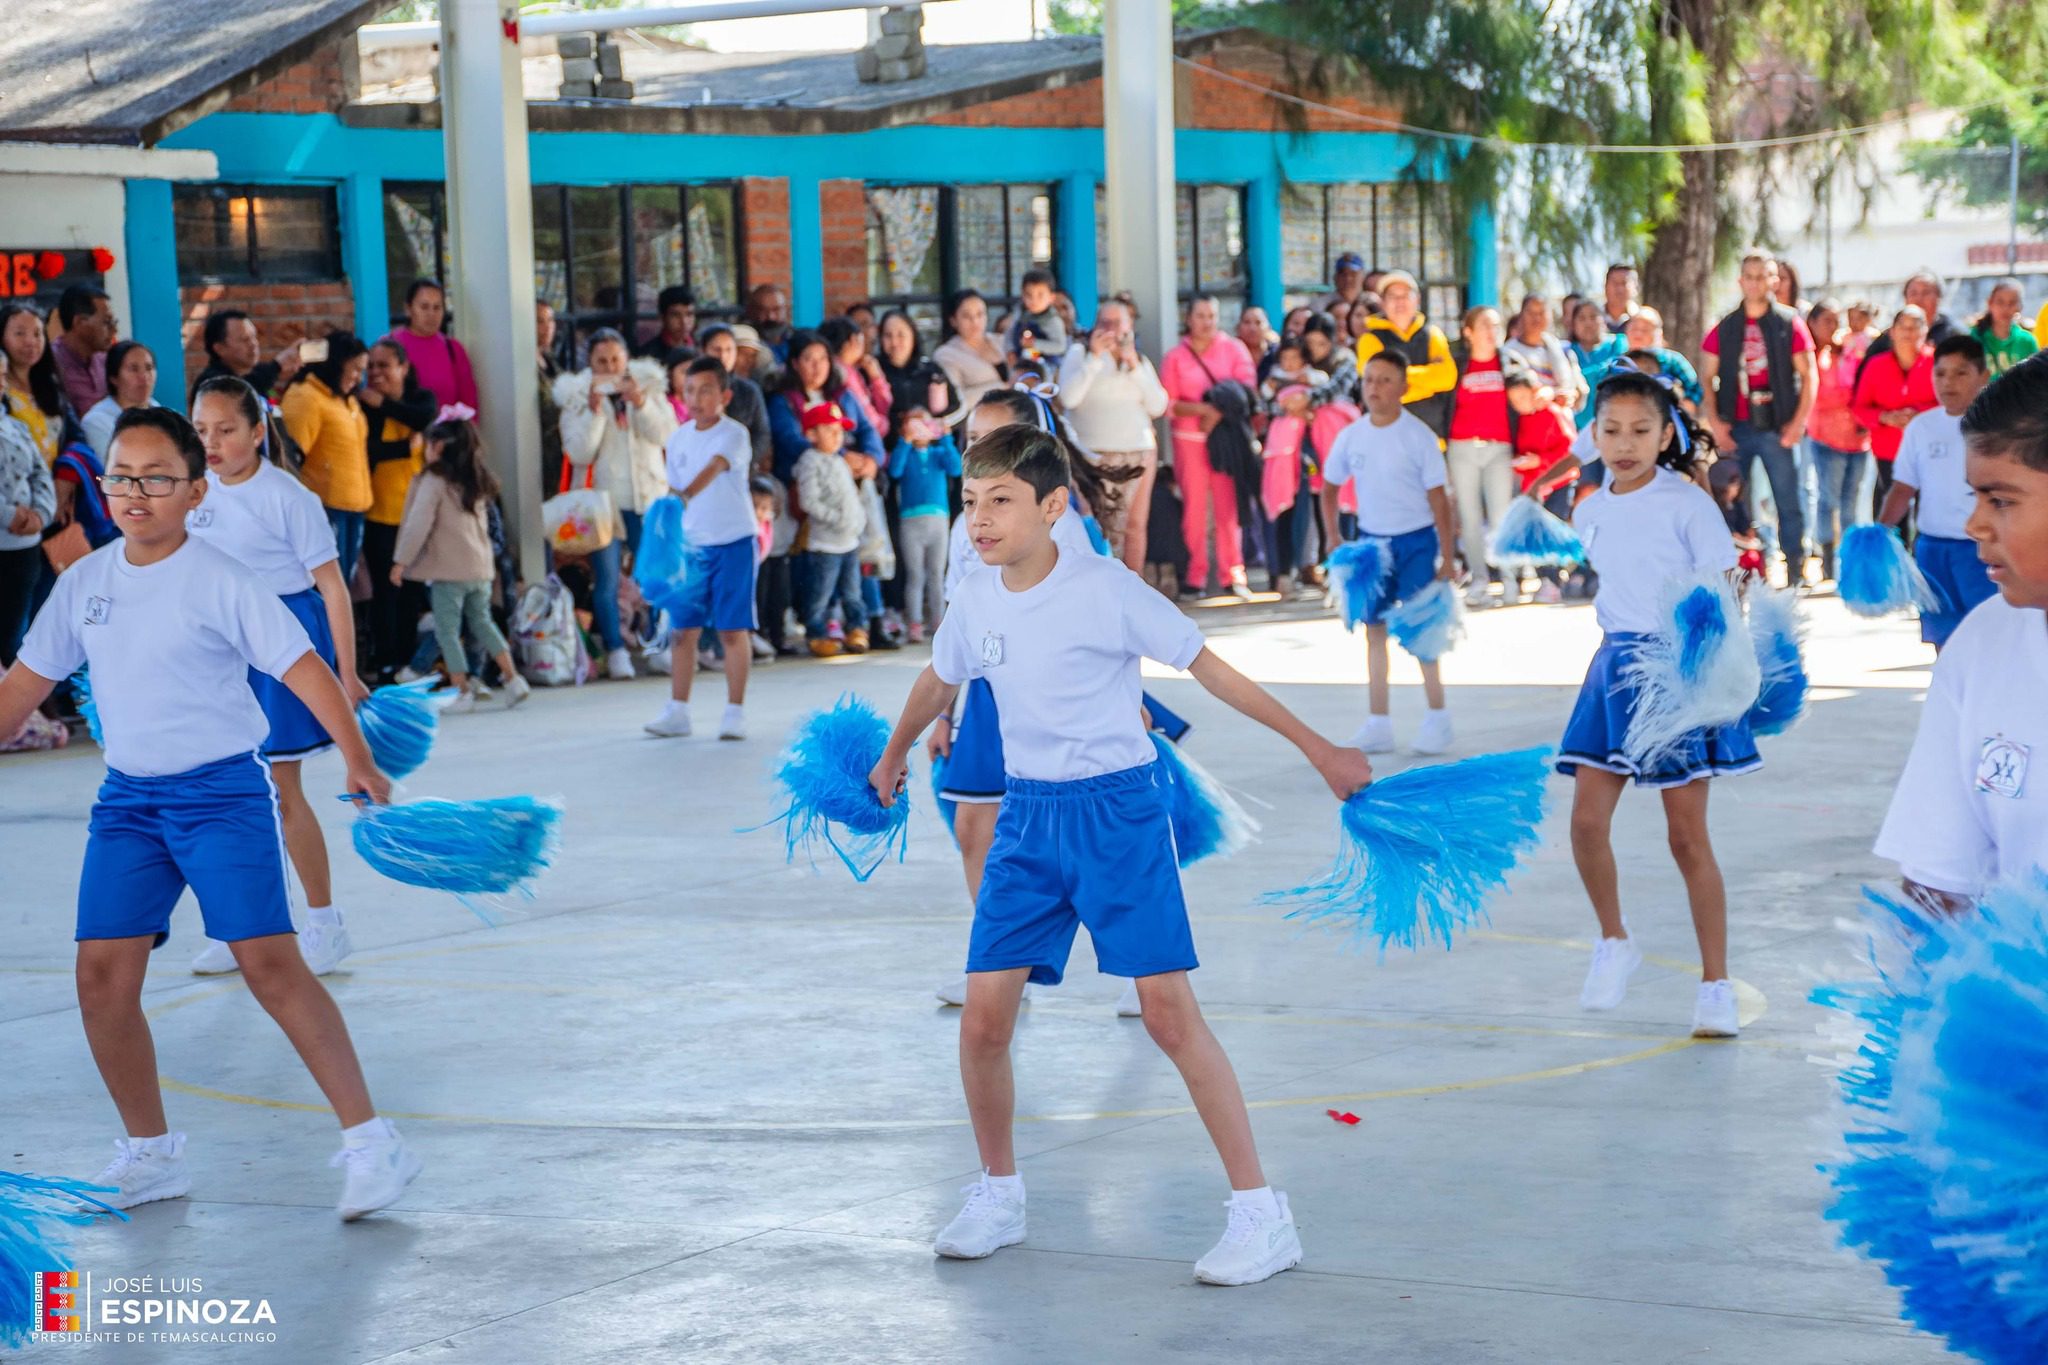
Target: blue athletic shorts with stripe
[(1096, 851), (293, 731), (214, 829), (1958, 578), (1414, 555), (721, 597)]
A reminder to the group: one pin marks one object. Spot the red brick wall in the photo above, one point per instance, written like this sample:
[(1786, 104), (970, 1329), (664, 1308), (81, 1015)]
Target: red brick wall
[(283, 313), (1074, 106), (319, 85), (1203, 101), (843, 229), (764, 215)]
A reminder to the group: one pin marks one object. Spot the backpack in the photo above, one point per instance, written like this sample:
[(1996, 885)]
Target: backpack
[(545, 639)]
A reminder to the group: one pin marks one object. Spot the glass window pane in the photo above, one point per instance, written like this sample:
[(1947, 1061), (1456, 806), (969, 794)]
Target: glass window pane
[(1219, 219), (978, 240), (1103, 282), (295, 234), (903, 241), (1030, 231), (1399, 242), (1184, 237), (1440, 243), (411, 240), (212, 223), (550, 254), (1304, 254), (594, 251), (1446, 303), (714, 246), (1350, 223)]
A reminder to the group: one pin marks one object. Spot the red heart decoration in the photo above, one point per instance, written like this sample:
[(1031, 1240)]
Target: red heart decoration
[(50, 264), (102, 259)]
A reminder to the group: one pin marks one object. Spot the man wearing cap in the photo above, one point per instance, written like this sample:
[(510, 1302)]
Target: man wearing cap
[(1350, 282), (1432, 374), (754, 360)]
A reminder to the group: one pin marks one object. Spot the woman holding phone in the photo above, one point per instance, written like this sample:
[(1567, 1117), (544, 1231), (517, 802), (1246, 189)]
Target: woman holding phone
[(1113, 398)]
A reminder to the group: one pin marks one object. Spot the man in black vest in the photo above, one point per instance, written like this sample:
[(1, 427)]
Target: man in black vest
[(1757, 367), (1432, 374)]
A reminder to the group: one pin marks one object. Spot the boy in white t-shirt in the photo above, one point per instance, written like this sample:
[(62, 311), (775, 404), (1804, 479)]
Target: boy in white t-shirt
[(171, 628), (1083, 835), (1396, 467), (1971, 809), (708, 469), (1929, 467)]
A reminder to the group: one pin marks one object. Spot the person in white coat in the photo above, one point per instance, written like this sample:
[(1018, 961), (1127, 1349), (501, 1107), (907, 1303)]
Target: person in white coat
[(616, 421), (1114, 400)]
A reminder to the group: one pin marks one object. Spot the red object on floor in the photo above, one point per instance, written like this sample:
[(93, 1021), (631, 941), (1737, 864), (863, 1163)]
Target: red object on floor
[(1352, 1119)]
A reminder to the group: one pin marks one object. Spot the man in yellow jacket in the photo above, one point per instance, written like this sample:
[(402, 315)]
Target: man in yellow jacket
[(1432, 374)]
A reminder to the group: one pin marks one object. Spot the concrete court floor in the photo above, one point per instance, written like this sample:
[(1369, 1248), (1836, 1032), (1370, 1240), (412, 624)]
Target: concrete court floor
[(693, 1105)]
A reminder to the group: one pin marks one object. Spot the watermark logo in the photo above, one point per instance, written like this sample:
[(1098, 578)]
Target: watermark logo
[(162, 1309), (60, 1300)]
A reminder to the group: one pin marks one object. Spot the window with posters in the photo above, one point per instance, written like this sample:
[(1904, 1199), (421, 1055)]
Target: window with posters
[(1209, 248), (925, 241), (1402, 226), (38, 275)]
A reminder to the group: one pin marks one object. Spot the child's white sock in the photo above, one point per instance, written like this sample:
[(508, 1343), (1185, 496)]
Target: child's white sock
[(1260, 1199), (1009, 1186), (1439, 710), (322, 914), (163, 1144), (369, 1131)]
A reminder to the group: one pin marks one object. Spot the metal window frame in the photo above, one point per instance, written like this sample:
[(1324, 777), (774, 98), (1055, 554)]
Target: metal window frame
[(1190, 189), (252, 273), (949, 248), (1460, 279)]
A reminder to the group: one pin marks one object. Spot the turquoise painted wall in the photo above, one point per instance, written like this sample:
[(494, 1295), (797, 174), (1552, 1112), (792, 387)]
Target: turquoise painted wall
[(319, 148)]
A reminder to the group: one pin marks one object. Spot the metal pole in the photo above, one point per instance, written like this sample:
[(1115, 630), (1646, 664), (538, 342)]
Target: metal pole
[(490, 246), (1137, 131), (2012, 193)]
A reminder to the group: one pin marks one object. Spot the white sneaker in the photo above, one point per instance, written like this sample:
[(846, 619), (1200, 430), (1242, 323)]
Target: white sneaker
[(763, 651), (462, 705), (147, 1169), (1713, 1016), (1255, 1246), (1376, 736), (618, 666), (324, 946), (1433, 736), (1477, 598), (1128, 1006), (215, 959), (988, 1222), (733, 724), (660, 661), (376, 1173), (673, 722), (517, 691), (1614, 961), (407, 674), (953, 993)]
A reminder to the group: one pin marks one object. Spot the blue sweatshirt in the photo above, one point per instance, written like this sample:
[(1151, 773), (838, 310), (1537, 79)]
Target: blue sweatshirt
[(922, 475)]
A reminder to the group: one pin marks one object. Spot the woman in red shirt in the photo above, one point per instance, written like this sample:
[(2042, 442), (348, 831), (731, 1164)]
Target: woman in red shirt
[(1481, 454), (1894, 385), (1836, 443)]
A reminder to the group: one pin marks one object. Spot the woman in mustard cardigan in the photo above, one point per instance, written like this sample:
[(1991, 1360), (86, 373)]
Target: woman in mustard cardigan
[(323, 414)]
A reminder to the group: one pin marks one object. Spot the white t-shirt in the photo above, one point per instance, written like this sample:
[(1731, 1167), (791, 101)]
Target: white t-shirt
[(724, 511), (1391, 468), (1062, 658), (170, 645), (1669, 529), (963, 559), (1931, 459), (1971, 809), (271, 524)]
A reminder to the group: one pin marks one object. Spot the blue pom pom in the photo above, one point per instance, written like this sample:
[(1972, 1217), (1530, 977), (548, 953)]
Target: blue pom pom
[(398, 724), (824, 772), (1875, 576), (665, 565), (1693, 674), (1359, 572), (1424, 849), (81, 693), (34, 1210), (1945, 1180), (1207, 820), (1529, 537), (1429, 624), (471, 848), (945, 808), (1775, 631), (1095, 536)]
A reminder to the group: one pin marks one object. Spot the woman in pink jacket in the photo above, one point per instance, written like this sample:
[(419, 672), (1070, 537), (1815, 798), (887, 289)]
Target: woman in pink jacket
[(1205, 357), (438, 361)]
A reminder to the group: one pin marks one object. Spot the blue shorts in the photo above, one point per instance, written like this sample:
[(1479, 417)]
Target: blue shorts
[(1096, 851), (293, 731), (1415, 555), (214, 829), (721, 596), (1600, 720), (1957, 577)]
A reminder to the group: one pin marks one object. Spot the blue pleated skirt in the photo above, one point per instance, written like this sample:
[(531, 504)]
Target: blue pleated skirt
[(974, 770), (1593, 737), (293, 731)]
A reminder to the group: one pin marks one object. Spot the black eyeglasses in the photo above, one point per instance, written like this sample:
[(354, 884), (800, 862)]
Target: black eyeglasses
[(147, 485)]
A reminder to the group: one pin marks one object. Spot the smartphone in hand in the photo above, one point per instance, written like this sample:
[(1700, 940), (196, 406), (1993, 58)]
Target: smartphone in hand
[(313, 352)]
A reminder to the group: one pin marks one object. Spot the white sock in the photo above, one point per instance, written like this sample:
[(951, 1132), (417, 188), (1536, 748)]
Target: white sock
[(1009, 1186), (735, 708), (367, 1132), (163, 1144), (1260, 1199), (322, 914), (1439, 710)]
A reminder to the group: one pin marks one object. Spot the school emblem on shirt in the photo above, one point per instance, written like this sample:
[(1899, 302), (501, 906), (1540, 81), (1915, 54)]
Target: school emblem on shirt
[(199, 519), (97, 609), (991, 650), (2002, 767)]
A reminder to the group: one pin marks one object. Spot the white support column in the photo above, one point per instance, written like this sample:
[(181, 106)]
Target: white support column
[(1137, 132), (490, 249)]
